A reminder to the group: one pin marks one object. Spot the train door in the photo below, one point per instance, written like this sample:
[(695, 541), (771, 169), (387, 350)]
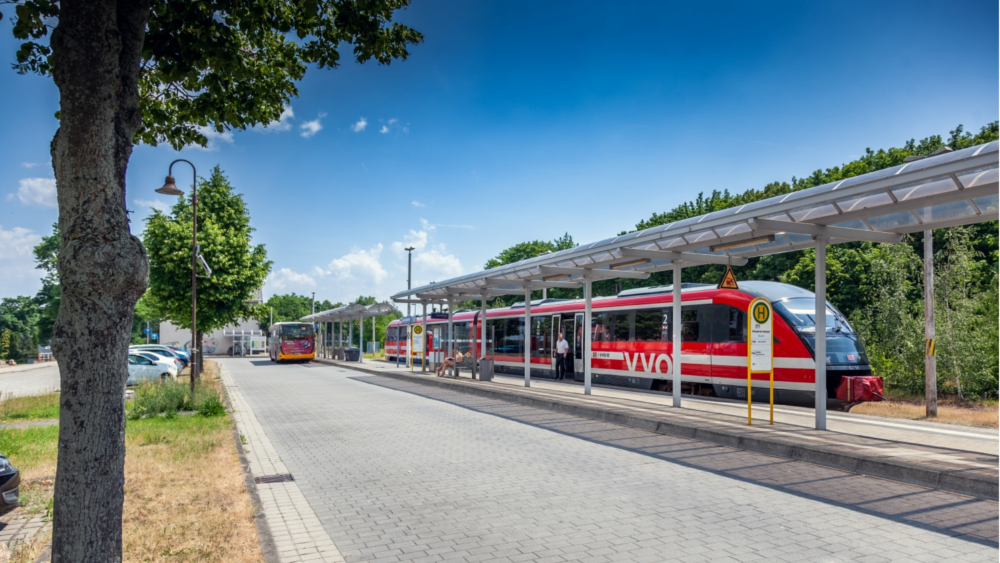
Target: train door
[(577, 344), (729, 349), (567, 327)]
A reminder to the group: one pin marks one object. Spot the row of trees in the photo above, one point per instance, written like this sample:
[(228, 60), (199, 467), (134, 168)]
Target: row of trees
[(292, 307), (878, 287)]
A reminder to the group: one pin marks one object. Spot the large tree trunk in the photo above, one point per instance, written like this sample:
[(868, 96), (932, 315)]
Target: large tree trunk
[(103, 269)]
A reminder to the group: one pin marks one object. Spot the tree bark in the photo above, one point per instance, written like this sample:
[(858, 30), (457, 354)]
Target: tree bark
[(103, 269)]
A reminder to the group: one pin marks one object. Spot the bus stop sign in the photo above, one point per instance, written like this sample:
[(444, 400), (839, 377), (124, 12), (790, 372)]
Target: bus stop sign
[(761, 335)]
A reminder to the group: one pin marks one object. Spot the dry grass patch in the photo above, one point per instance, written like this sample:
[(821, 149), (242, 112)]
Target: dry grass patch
[(185, 498), (982, 415)]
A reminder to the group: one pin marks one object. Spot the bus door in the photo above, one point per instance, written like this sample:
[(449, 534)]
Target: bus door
[(574, 336)]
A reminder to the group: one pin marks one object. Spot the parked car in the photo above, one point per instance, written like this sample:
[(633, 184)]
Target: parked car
[(156, 357), (142, 369), (163, 351), (10, 484), (183, 353)]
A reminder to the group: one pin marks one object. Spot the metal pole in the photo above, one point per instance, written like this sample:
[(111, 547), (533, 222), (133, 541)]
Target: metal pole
[(195, 350), (482, 334), (427, 337), (361, 339), (374, 345), (587, 296), (676, 338), (527, 338), (820, 333), (350, 334), (313, 306), (147, 332), (451, 333), (340, 337), (930, 360)]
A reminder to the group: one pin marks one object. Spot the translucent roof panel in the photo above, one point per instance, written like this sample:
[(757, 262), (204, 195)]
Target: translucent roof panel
[(955, 188)]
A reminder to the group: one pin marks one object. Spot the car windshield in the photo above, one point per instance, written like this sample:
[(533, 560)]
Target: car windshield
[(296, 332)]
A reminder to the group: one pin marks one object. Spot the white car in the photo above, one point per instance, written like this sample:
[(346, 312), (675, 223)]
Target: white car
[(142, 369), (158, 357)]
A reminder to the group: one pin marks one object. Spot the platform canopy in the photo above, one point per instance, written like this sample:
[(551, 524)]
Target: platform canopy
[(942, 190), (350, 312)]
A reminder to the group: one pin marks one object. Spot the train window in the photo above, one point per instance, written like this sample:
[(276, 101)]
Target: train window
[(513, 342), (690, 327), (541, 336), (390, 334), (650, 326), (620, 326), (729, 324), (599, 327)]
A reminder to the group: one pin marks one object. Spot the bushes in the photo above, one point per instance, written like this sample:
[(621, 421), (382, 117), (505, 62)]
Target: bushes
[(170, 397)]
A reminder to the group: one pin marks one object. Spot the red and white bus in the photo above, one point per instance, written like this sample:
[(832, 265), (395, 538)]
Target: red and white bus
[(632, 333), (291, 341)]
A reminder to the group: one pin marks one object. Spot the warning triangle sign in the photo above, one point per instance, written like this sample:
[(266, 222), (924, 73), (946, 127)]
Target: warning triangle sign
[(728, 280)]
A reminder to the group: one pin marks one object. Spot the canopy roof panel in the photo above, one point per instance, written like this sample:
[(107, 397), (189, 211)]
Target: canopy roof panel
[(348, 312), (946, 190)]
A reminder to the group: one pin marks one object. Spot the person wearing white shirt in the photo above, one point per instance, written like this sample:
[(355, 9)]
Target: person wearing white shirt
[(562, 357)]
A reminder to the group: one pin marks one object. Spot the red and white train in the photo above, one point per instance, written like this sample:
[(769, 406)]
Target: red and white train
[(632, 333)]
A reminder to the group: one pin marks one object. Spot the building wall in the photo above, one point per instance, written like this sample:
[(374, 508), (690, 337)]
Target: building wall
[(214, 343)]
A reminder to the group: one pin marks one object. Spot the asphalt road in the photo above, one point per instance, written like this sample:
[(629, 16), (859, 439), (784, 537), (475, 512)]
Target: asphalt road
[(400, 471), (17, 381)]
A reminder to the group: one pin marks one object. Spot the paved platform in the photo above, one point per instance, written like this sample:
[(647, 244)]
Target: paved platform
[(890, 449), (29, 379), (396, 470)]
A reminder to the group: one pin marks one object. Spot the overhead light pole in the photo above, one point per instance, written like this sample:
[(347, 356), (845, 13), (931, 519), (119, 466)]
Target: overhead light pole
[(170, 188), (409, 275)]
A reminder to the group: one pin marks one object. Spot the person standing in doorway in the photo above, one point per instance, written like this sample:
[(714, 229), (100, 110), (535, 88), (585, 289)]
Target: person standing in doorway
[(562, 357)]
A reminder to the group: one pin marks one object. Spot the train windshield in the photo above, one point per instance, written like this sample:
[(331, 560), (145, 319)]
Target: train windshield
[(296, 332), (842, 344)]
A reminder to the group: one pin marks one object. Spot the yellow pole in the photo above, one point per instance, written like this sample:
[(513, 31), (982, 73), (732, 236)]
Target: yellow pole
[(772, 388), (749, 382)]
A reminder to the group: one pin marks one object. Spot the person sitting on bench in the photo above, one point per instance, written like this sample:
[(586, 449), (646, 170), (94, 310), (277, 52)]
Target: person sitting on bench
[(449, 363)]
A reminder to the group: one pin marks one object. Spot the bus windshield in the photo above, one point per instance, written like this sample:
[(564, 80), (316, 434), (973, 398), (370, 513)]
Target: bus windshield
[(296, 332)]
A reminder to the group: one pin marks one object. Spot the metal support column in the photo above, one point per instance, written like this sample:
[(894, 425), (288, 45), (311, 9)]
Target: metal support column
[(676, 338), (451, 333), (340, 338), (930, 361), (427, 339), (587, 334), (527, 338), (350, 335), (820, 333), (361, 338)]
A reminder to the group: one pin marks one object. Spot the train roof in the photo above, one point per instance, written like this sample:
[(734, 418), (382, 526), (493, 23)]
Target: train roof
[(772, 291)]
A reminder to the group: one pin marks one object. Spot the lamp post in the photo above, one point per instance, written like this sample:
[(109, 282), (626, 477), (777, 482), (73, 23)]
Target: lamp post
[(409, 272), (170, 188)]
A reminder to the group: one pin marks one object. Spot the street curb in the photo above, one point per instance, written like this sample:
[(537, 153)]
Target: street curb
[(972, 485), (267, 546)]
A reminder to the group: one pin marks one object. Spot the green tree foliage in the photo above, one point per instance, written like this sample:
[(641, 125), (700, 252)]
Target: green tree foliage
[(6, 338), (523, 251), (224, 235), (46, 259), (230, 63), (290, 307), (19, 319)]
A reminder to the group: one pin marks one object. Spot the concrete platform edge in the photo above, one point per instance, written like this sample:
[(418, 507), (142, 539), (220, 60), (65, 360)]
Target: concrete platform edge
[(971, 485)]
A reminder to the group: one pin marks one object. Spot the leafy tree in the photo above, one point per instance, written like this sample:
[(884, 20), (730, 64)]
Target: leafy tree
[(144, 313), (224, 232), (290, 307), (524, 251), (6, 339), (46, 259), (150, 71)]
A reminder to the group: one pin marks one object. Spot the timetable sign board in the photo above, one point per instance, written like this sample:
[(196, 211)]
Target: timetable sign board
[(761, 323), (418, 339)]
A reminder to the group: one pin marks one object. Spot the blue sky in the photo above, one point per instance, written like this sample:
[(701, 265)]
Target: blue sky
[(524, 120)]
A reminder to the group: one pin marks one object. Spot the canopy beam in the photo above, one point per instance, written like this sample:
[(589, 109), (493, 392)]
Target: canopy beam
[(770, 225), (691, 257)]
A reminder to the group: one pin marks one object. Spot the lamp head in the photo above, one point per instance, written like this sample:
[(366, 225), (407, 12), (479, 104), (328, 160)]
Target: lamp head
[(169, 187)]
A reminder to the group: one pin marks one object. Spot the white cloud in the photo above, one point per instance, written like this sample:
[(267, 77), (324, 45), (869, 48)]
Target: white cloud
[(393, 120), (384, 129), (310, 128), (360, 125), (17, 242), (389, 126), (214, 138), (30, 164), (36, 191), (17, 264), (284, 122), (416, 239), (357, 264), (152, 204), (288, 280), (436, 264), (418, 204)]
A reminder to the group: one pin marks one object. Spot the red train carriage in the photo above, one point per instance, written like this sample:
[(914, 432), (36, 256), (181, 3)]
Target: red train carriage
[(632, 333)]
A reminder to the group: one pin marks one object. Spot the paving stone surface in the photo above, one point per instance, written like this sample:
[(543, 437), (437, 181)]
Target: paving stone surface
[(402, 472)]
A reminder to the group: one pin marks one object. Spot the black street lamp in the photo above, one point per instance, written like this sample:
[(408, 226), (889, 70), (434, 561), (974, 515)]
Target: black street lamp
[(170, 188)]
